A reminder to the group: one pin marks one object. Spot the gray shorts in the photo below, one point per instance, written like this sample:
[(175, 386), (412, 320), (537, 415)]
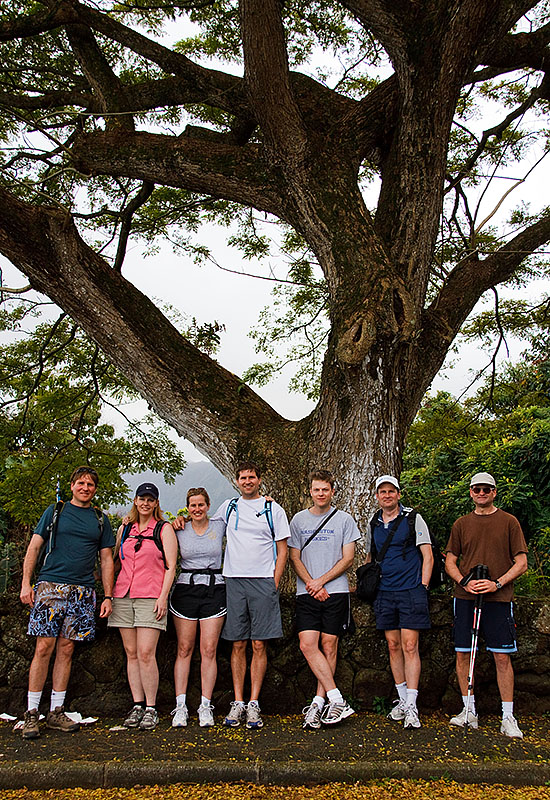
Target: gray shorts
[(252, 610)]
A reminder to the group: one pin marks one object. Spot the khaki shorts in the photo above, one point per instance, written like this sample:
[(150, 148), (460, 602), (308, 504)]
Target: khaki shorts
[(135, 612)]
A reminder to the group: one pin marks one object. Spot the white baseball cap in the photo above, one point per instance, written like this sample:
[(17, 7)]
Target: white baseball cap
[(483, 477), (387, 479)]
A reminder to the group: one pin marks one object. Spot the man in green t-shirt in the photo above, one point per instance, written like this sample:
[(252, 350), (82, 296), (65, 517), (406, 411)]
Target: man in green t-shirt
[(63, 598)]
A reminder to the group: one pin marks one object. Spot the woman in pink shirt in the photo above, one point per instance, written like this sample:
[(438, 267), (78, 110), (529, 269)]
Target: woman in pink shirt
[(148, 548)]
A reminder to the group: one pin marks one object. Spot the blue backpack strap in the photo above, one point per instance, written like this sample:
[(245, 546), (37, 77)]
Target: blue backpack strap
[(125, 531), (233, 506), (269, 516), (52, 531)]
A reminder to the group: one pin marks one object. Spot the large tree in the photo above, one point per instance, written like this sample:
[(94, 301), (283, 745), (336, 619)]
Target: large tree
[(81, 90)]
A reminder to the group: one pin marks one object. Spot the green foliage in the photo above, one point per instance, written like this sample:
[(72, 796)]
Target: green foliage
[(505, 430), (55, 386)]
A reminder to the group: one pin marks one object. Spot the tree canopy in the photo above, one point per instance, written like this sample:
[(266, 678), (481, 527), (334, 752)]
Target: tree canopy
[(368, 131), (55, 384)]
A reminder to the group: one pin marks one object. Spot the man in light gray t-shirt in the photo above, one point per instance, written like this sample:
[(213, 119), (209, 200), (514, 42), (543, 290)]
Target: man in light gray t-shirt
[(322, 547)]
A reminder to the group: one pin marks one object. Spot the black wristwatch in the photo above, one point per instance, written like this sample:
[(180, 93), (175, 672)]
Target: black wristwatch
[(498, 584), (108, 597)]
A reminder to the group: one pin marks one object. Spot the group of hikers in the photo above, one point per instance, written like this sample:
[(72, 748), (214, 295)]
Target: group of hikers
[(232, 591)]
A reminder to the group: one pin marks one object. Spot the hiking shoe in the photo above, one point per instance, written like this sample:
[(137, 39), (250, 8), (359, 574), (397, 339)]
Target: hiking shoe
[(181, 715), (149, 720), (336, 712), (411, 718), (509, 727), (253, 719), (206, 716), (312, 717), (59, 721), (398, 711), (237, 714), (134, 717), (460, 719), (30, 724)]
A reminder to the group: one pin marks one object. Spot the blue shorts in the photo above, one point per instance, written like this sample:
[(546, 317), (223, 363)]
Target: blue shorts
[(253, 610), (61, 609), (407, 608), (496, 625)]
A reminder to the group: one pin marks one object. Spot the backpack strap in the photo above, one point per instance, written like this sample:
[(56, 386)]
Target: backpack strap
[(394, 526), (125, 531), (157, 538), (233, 506), (269, 516), (314, 534), (52, 529)]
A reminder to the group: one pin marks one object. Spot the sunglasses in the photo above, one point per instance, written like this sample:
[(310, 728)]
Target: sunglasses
[(483, 489)]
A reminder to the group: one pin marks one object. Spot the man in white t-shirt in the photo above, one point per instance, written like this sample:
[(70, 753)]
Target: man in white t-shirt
[(322, 547), (255, 557)]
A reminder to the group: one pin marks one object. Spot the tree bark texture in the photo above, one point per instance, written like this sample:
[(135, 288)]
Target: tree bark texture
[(294, 149)]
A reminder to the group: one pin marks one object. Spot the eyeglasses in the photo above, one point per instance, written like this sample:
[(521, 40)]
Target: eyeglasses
[(482, 489)]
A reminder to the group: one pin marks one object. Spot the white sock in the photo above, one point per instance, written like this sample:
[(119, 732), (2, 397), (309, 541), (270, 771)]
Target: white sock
[(319, 701), (33, 700), (205, 701), (180, 699), (472, 702), (507, 709), (412, 694), (335, 696), (402, 691), (57, 699)]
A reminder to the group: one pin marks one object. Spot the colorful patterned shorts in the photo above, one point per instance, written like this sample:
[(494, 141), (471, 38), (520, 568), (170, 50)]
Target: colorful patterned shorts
[(61, 609)]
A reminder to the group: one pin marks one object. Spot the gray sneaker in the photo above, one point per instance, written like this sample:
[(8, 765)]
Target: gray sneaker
[(31, 729), (253, 719), (398, 711), (134, 717), (206, 716), (336, 712), (411, 718), (237, 714), (312, 717), (59, 721), (149, 720)]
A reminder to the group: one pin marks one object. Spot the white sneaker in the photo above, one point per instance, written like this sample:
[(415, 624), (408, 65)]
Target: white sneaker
[(312, 717), (398, 711), (253, 718), (336, 712), (237, 714), (206, 717), (181, 715), (411, 718), (509, 727), (460, 719)]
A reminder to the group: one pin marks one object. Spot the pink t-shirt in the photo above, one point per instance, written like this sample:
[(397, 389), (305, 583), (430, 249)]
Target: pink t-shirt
[(142, 572)]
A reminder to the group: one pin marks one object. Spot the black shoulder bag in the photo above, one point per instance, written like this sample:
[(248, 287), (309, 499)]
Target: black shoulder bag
[(369, 575)]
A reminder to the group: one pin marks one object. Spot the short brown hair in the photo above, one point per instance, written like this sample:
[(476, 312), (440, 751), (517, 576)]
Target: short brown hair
[(79, 472), (193, 492), (245, 466), (321, 475)]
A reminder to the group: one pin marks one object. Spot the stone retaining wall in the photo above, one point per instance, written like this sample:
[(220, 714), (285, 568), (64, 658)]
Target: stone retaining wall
[(98, 683)]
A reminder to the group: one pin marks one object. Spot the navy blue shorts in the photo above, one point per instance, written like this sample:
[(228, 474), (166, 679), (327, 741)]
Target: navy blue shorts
[(496, 625), (407, 608), (326, 616)]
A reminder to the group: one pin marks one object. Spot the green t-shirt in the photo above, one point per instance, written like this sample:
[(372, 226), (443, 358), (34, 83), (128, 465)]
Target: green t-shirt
[(77, 543)]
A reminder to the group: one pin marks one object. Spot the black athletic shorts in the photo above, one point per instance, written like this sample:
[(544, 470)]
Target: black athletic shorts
[(326, 616), (198, 602)]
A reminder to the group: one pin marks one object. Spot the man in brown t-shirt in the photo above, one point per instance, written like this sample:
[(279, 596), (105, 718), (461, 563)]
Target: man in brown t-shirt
[(494, 538)]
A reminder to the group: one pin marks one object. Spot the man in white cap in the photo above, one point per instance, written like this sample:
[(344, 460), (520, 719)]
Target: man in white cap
[(491, 537), (401, 536)]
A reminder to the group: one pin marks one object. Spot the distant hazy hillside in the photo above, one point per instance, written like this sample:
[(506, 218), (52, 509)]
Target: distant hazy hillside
[(196, 474)]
